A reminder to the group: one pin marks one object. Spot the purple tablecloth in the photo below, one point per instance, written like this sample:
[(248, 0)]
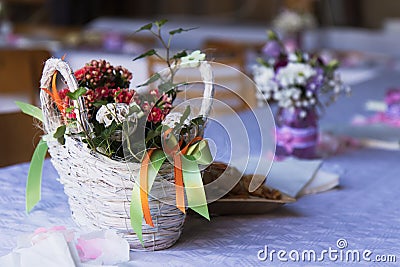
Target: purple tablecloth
[(363, 212)]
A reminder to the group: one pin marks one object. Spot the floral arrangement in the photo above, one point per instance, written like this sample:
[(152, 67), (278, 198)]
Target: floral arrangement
[(290, 21), (296, 80), (104, 113)]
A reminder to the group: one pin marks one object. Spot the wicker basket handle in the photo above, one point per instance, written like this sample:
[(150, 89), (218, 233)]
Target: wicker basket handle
[(208, 79), (51, 118)]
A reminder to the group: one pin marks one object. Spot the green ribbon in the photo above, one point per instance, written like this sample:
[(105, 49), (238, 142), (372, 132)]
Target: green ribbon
[(34, 182), (198, 153), (30, 110), (136, 213)]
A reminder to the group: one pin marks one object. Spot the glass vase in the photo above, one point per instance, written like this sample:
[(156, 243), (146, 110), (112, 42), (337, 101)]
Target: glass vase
[(296, 133)]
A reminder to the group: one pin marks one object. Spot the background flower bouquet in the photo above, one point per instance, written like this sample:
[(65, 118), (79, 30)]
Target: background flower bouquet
[(110, 146), (301, 85)]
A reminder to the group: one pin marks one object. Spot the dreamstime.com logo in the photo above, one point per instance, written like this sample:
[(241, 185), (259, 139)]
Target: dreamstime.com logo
[(340, 253)]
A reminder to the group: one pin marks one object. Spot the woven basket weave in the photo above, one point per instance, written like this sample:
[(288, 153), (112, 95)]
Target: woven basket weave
[(99, 188)]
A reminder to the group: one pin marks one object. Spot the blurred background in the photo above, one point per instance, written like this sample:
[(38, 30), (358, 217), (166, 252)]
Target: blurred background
[(364, 34), (357, 13)]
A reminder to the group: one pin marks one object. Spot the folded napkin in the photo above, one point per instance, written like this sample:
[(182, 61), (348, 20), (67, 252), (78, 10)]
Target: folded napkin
[(58, 247), (294, 177), (291, 175)]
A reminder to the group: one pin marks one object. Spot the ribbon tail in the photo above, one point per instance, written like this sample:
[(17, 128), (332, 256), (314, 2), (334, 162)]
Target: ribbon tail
[(195, 194), (55, 94), (136, 212), (34, 181), (144, 188), (136, 207), (157, 159), (179, 189)]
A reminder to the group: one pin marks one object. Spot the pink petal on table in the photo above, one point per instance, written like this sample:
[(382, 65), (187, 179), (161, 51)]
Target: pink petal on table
[(89, 249), (58, 228), (40, 230)]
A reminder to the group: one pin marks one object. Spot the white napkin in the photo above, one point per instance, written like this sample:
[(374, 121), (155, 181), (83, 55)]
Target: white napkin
[(291, 175), (49, 248), (322, 181)]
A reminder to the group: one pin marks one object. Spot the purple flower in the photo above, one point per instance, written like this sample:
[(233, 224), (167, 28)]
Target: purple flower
[(315, 82), (280, 63), (272, 49), (393, 96)]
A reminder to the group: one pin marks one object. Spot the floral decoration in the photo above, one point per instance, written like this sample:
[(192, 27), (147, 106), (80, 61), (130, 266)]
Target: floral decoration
[(296, 80)]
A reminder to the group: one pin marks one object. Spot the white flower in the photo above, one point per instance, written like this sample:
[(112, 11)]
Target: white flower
[(303, 114), (291, 21), (292, 57), (112, 112), (263, 77), (173, 118), (295, 72), (192, 60)]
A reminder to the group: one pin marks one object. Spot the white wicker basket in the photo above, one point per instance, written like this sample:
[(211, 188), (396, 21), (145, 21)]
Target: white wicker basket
[(99, 188)]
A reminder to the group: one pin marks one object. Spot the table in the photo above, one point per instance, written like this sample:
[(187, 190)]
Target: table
[(364, 210)]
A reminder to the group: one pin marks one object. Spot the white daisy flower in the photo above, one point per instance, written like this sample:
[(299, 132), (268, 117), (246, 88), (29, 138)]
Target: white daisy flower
[(192, 60), (112, 112)]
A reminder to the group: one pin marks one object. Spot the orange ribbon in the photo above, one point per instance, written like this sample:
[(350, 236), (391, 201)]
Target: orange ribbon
[(54, 94), (144, 187)]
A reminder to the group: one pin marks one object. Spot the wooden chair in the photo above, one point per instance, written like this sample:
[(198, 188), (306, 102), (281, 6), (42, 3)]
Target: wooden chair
[(18, 138), (235, 54), (20, 71), (230, 84)]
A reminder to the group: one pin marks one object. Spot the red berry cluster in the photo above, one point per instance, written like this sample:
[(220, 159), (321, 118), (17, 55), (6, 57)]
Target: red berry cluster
[(100, 73)]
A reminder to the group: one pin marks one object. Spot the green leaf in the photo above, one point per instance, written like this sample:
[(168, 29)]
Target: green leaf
[(34, 181), (76, 94), (153, 133), (109, 130), (99, 103), (60, 131), (185, 115), (69, 109), (148, 53), (334, 64), (272, 35), (180, 30), (263, 62), (165, 87), (152, 79), (180, 54), (61, 140), (30, 110), (160, 23), (134, 109), (147, 27)]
